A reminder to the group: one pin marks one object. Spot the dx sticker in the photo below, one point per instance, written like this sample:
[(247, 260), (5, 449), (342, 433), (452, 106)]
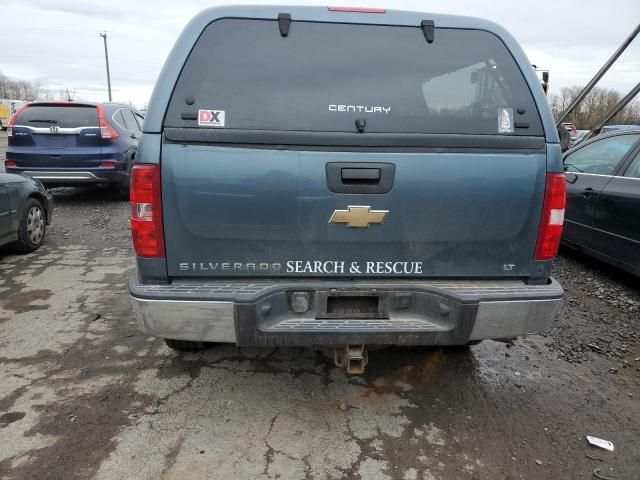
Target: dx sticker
[(211, 118)]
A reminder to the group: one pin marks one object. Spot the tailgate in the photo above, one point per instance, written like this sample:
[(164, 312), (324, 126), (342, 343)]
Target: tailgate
[(230, 211)]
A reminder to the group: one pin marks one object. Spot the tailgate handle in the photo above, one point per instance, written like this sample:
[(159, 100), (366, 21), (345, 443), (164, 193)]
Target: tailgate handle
[(360, 177), (352, 175)]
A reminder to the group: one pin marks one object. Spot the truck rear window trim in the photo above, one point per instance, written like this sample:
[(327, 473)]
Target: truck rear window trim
[(357, 141)]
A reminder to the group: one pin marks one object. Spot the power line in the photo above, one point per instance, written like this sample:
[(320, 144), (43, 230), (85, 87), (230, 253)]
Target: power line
[(43, 55), (113, 35)]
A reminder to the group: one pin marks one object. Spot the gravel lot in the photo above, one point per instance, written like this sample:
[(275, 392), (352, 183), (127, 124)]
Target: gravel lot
[(85, 395)]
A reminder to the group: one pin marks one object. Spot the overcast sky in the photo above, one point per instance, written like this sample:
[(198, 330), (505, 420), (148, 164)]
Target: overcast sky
[(57, 42)]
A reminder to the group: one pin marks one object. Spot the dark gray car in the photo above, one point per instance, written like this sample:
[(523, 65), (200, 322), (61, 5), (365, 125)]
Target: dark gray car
[(603, 199), (25, 212)]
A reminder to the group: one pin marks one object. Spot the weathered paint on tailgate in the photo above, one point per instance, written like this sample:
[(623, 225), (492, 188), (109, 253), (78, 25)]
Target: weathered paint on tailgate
[(457, 214)]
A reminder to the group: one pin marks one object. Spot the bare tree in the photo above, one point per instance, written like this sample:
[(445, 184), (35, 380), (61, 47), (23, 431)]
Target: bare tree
[(594, 107), (16, 89), (66, 95)]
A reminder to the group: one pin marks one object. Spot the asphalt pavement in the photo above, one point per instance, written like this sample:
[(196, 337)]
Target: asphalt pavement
[(84, 394)]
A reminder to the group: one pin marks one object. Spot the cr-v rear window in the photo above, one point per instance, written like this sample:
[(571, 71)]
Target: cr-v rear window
[(61, 116), (323, 77)]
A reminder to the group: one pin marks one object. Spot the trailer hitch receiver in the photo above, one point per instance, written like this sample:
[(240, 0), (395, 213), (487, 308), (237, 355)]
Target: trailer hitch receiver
[(352, 357)]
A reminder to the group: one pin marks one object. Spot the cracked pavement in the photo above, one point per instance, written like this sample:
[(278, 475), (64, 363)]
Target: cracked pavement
[(85, 395)]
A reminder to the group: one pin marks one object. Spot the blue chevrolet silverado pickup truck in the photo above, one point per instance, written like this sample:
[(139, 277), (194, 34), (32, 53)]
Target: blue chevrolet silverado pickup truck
[(342, 178)]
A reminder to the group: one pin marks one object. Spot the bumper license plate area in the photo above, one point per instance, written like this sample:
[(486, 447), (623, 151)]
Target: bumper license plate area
[(345, 305)]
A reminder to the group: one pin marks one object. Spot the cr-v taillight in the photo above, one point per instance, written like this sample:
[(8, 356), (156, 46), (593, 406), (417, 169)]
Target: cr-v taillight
[(552, 217), (107, 132), (146, 211), (12, 122)]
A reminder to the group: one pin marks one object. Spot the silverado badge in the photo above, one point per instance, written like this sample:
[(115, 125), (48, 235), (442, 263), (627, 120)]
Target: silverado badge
[(358, 216)]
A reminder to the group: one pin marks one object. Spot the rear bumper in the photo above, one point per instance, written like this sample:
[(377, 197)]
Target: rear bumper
[(72, 177), (412, 313)]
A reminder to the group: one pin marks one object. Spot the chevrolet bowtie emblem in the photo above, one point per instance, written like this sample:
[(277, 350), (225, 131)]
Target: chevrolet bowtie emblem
[(358, 216)]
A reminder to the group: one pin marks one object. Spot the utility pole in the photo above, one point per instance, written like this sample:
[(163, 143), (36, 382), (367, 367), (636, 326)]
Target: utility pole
[(106, 58)]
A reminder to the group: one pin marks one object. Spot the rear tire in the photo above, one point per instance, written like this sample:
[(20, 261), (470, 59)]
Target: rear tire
[(32, 227), (123, 193), (123, 189), (186, 345)]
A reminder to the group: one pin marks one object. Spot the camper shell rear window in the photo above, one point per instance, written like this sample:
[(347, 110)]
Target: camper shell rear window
[(350, 78)]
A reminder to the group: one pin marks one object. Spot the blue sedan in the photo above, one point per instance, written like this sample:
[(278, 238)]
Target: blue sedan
[(25, 211)]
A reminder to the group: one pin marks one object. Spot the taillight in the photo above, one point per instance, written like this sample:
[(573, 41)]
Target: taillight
[(10, 163), (12, 122), (356, 10), (107, 132), (108, 164), (146, 211), (552, 217)]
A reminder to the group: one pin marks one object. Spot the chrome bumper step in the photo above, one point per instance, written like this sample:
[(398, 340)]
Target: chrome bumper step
[(360, 325)]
